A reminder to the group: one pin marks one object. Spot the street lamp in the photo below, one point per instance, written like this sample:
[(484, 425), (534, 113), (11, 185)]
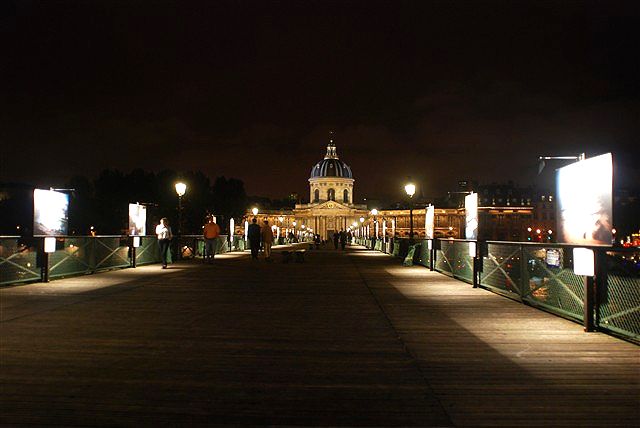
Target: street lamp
[(181, 189), (410, 189), (255, 211)]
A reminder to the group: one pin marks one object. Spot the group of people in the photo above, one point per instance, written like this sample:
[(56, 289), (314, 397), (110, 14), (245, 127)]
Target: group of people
[(260, 237), (341, 238), (210, 232)]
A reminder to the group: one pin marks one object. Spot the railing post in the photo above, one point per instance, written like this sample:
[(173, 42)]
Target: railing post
[(132, 252), (432, 253), (589, 303), (592, 291), (44, 268), (523, 286), (476, 267)]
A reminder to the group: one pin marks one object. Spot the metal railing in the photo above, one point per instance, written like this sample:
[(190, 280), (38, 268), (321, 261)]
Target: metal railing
[(24, 260), (541, 275), (19, 260)]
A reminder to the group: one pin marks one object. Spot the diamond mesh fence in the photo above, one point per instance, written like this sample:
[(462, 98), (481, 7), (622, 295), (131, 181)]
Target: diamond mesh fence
[(87, 254), (424, 254), (444, 257), (19, 261), (549, 281), (619, 308), (148, 252), (501, 269), (462, 262)]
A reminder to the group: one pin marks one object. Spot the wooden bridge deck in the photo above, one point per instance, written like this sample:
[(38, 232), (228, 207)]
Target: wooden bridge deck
[(346, 339)]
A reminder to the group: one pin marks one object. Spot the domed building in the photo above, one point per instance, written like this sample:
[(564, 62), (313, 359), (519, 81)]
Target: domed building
[(331, 208), (331, 179)]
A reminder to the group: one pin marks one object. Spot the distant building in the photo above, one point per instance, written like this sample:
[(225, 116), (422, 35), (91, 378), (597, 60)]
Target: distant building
[(505, 212), (332, 208)]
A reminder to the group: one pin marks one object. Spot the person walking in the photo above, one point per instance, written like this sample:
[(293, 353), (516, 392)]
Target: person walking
[(163, 231), (266, 234), (211, 232), (253, 233), (336, 239), (343, 239)]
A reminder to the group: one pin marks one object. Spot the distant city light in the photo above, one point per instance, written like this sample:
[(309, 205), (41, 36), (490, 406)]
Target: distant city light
[(254, 210)]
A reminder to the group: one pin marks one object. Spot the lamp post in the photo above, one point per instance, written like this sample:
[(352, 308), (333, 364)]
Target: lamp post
[(181, 189), (410, 189)]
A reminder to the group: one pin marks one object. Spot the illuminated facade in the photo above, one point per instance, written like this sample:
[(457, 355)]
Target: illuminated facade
[(331, 208), (502, 215)]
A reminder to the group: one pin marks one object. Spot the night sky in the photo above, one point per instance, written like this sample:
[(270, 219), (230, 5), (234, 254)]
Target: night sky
[(440, 91)]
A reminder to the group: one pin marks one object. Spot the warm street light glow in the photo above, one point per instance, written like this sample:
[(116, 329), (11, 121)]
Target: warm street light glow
[(281, 219), (410, 189), (294, 224), (254, 210), (549, 231), (355, 224), (361, 219), (374, 212), (528, 229), (538, 231), (181, 188)]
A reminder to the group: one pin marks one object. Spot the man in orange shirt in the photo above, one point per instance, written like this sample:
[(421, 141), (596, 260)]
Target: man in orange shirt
[(211, 232)]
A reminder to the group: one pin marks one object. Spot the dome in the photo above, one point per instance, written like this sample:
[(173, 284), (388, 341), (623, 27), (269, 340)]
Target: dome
[(331, 166)]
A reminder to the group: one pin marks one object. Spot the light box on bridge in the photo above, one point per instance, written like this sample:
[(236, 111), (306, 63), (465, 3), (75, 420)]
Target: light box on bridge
[(583, 262), (472, 249), (49, 244), (50, 213), (137, 219), (584, 201), (471, 216)]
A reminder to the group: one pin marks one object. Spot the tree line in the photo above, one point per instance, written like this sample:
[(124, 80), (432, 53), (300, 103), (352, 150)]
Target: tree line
[(104, 202)]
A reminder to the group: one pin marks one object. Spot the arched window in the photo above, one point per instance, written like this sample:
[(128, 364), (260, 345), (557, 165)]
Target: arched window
[(331, 195), (345, 196), (316, 195)]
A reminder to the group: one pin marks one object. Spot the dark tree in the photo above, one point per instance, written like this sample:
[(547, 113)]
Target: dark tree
[(229, 199)]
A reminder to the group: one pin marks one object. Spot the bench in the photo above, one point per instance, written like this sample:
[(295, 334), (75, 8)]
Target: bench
[(287, 255)]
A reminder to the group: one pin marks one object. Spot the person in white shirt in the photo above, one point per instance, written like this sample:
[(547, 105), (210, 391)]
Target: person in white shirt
[(163, 230)]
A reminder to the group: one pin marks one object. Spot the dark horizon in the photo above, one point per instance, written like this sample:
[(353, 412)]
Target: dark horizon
[(439, 91)]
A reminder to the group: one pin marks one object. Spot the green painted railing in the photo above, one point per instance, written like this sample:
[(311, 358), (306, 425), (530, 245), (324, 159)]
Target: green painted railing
[(541, 275), (23, 259), (19, 260)]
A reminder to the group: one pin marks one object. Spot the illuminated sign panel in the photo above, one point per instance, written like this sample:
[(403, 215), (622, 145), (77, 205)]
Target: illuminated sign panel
[(471, 214), (584, 204), (429, 221), (50, 213), (137, 219)]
